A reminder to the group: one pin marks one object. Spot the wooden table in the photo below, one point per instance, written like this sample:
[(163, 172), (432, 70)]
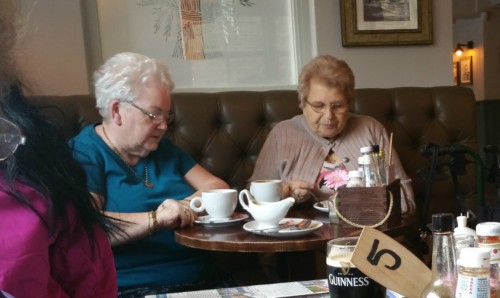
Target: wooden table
[(236, 239), (299, 258)]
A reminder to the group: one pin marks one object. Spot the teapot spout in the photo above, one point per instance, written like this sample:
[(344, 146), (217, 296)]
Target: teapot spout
[(286, 203)]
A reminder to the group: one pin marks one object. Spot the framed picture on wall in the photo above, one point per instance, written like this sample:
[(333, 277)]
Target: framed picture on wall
[(377, 23), (206, 44), (465, 70), (456, 66)]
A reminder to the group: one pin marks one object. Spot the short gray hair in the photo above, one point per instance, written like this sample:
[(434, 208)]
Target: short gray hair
[(329, 71), (123, 76)]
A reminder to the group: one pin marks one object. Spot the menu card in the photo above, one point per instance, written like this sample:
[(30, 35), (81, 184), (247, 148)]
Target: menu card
[(300, 289)]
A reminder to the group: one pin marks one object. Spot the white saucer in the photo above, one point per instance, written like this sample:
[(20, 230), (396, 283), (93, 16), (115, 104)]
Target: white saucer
[(253, 227), (321, 206), (233, 220)]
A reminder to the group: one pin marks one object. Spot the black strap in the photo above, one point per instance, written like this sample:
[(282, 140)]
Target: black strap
[(458, 192), (428, 192)]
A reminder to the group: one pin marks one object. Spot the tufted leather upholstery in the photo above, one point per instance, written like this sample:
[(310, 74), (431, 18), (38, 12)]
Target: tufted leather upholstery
[(224, 131)]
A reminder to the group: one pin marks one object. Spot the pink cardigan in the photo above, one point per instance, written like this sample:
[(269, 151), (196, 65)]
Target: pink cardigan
[(34, 263), (292, 151)]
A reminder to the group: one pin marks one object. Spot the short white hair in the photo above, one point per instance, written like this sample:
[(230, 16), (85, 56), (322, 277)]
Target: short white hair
[(123, 76)]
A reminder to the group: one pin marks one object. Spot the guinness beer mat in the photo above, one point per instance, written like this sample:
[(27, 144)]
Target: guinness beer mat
[(390, 264)]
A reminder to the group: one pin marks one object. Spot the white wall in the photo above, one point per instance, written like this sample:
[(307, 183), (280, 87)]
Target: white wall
[(482, 29), (55, 56), (464, 31), (52, 55), (492, 56), (391, 66)]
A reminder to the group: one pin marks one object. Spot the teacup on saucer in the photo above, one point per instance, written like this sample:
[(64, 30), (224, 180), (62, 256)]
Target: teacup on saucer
[(218, 203), (235, 219)]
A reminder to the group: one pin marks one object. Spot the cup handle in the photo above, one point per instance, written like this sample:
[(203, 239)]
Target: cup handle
[(193, 206), (241, 198)]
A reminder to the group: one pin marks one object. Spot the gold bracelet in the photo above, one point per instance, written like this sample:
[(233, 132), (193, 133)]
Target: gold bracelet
[(152, 218), (150, 229)]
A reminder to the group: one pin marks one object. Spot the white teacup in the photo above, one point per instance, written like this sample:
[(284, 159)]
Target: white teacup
[(266, 190), (219, 203)]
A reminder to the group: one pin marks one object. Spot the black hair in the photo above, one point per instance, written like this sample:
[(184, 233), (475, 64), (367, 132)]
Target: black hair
[(45, 163)]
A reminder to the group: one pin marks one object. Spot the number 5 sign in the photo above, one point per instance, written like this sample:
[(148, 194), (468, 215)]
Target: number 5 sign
[(390, 264)]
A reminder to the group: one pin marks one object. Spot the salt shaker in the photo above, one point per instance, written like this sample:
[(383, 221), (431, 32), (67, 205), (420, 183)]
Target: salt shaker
[(355, 179), (370, 175)]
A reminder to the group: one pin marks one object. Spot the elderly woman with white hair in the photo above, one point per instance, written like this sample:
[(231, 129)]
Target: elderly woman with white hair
[(140, 177)]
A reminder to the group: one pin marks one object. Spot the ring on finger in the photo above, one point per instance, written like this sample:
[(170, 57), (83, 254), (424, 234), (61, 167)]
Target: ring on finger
[(185, 210)]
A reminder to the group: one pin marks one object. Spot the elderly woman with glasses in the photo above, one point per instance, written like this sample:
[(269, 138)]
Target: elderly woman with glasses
[(140, 177), (313, 152)]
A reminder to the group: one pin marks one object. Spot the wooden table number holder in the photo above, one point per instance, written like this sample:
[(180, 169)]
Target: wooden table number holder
[(368, 206), (390, 264)]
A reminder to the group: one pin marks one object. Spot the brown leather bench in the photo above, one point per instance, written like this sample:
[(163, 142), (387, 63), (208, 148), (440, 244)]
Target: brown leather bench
[(224, 131)]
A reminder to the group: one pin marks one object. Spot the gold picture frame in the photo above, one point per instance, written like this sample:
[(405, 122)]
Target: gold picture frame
[(465, 71), (382, 23)]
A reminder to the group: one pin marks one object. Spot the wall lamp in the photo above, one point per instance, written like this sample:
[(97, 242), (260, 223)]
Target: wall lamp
[(459, 50)]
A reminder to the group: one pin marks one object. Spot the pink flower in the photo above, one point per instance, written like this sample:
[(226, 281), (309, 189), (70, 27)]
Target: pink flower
[(337, 178)]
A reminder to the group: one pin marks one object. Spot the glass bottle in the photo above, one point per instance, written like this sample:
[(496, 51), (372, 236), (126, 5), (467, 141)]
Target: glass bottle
[(370, 177), (332, 210), (375, 166), (473, 273), (443, 282), (463, 235), (488, 236)]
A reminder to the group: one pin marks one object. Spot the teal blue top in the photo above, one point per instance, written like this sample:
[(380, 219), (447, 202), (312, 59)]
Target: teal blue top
[(154, 260)]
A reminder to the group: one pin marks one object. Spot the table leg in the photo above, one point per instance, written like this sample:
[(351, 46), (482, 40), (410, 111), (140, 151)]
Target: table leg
[(302, 265)]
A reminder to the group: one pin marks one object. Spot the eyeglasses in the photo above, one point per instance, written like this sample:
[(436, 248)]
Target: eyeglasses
[(155, 118), (10, 138), (338, 108)]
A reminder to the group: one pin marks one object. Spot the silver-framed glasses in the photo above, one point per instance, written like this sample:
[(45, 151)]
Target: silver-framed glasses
[(337, 107), (10, 138), (155, 118)]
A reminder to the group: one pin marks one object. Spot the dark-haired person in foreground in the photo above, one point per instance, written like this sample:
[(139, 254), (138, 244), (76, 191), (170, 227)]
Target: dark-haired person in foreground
[(53, 239)]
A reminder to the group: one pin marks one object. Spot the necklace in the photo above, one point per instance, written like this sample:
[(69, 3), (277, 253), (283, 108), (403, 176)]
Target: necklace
[(146, 171)]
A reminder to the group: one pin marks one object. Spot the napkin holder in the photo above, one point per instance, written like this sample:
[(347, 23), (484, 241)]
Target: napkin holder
[(368, 206)]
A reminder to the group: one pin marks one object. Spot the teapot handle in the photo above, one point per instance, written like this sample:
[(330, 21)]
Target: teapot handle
[(241, 198)]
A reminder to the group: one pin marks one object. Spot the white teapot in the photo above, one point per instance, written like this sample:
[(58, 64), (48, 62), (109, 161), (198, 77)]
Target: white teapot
[(267, 214)]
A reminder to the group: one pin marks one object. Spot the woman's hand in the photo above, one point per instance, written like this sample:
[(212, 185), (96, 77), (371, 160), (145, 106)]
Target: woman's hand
[(300, 190), (172, 214)]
